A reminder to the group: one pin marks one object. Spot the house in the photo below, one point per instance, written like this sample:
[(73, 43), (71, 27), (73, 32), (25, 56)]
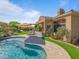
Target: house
[(26, 26), (68, 19), (45, 24)]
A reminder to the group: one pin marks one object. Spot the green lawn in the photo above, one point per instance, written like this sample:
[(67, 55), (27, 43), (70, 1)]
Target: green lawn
[(23, 33), (72, 50)]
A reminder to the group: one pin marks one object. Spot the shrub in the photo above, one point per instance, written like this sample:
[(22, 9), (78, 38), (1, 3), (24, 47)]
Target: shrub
[(61, 31), (76, 40), (37, 27)]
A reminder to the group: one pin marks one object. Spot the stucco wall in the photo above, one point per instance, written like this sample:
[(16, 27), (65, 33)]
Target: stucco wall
[(72, 23), (75, 26)]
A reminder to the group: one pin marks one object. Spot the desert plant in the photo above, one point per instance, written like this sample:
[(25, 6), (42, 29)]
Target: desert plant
[(61, 31)]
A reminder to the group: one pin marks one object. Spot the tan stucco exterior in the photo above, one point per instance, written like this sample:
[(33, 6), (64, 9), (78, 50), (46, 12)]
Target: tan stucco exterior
[(26, 26), (71, 24), (44, 22)]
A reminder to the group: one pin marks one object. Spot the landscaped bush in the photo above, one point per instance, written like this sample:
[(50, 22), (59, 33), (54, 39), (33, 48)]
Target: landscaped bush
[(37, 27), (76, 40), (4, 30), (61, 31), (14, 26)]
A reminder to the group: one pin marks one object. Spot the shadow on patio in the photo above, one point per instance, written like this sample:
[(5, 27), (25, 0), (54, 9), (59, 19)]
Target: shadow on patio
[(35, 40)]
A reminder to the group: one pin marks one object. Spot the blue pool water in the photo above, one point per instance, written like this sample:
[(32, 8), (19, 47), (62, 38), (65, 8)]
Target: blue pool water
[(16, 49)]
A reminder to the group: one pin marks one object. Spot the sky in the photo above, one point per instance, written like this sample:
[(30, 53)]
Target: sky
[(29, 11)]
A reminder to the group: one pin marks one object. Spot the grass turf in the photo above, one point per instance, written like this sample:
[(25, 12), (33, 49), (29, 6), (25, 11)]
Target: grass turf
[(72, 50), (23, 33)]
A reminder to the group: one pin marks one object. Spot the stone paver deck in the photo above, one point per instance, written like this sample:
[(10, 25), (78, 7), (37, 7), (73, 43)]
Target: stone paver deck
[(54, 51)]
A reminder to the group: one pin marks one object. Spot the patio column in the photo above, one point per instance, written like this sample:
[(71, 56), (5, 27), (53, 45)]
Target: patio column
[(68, 29)]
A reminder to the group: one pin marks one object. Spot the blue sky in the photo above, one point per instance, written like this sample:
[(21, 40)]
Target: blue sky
[(28, 11)]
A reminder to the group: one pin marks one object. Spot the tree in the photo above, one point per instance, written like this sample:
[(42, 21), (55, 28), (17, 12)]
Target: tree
[(4, 29), (15, 26), (37, 27), (61, 31)]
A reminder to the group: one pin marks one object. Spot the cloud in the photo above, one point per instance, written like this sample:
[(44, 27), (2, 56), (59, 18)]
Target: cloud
[(32, 14), (12, 12), (9, 8)]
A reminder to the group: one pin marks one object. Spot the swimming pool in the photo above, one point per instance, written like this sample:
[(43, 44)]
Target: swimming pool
[(16, 49)]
